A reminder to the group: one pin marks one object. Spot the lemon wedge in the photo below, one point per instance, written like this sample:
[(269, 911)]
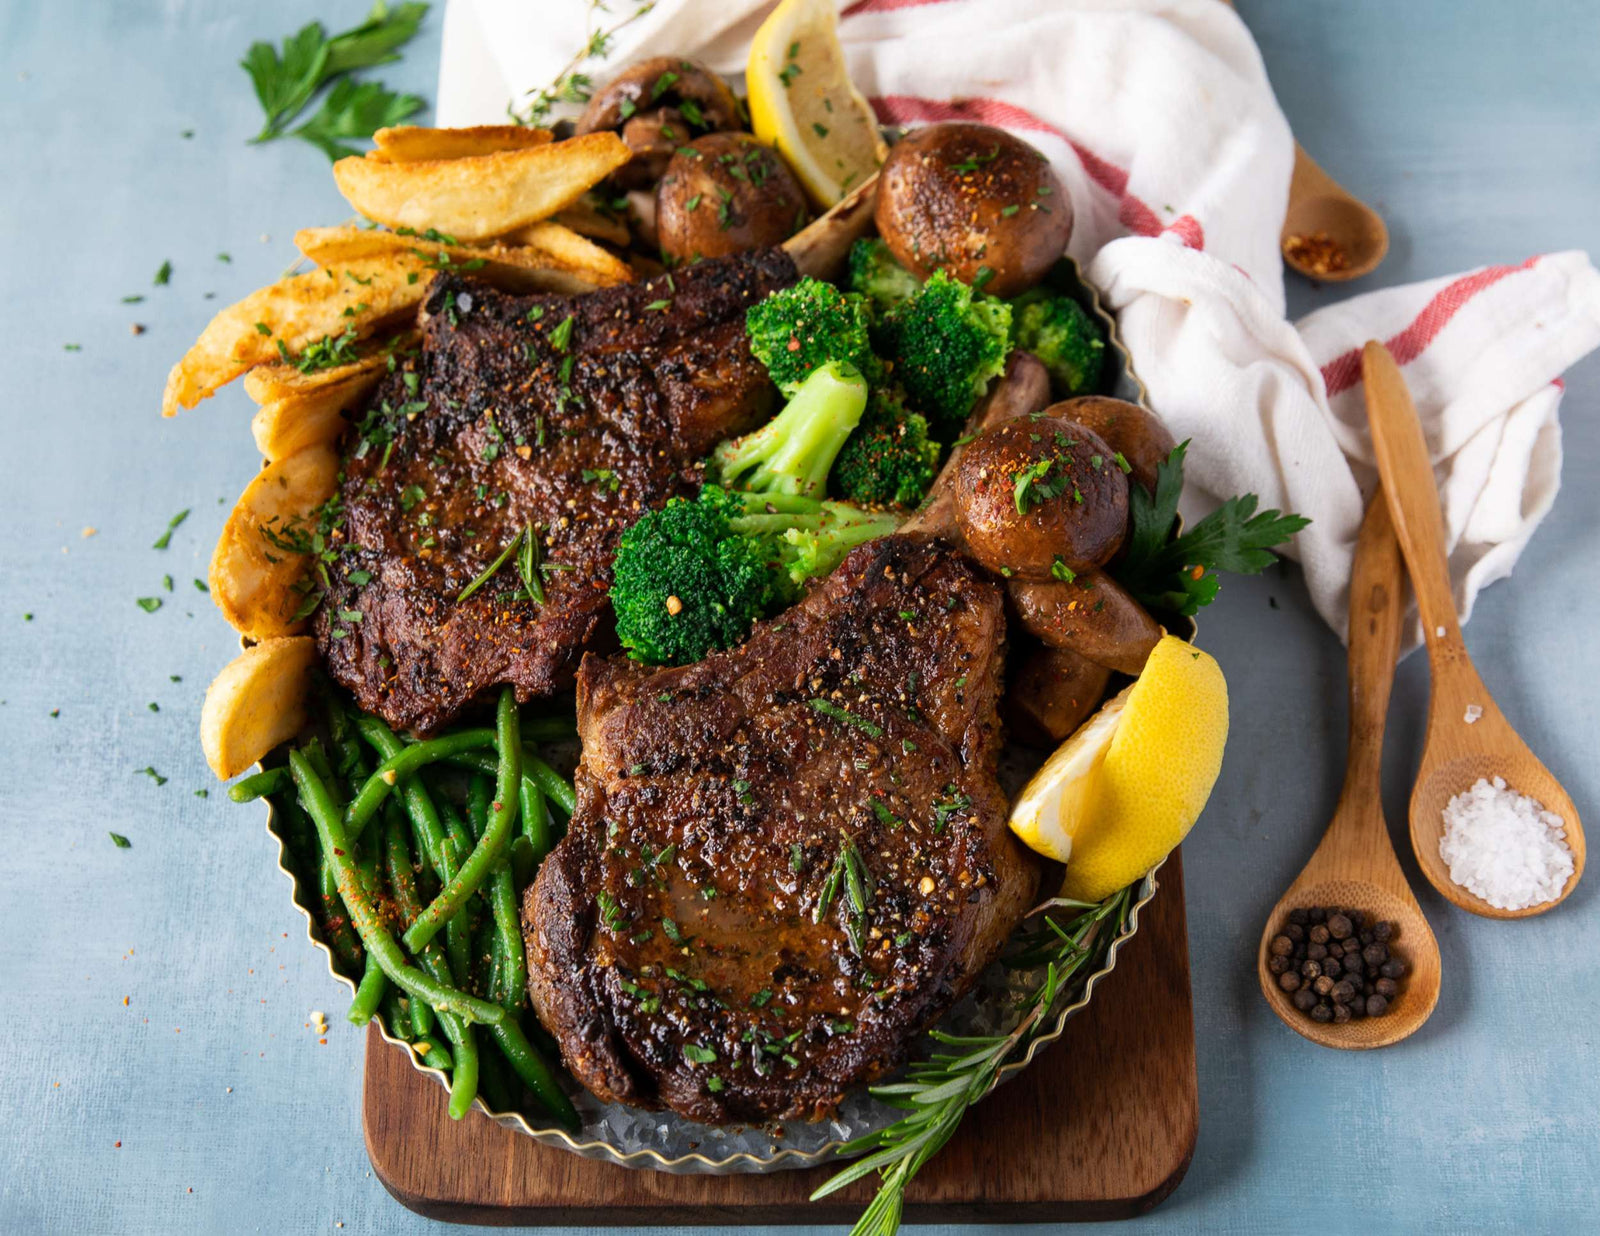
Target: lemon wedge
[(1124, 790), (802, 101)]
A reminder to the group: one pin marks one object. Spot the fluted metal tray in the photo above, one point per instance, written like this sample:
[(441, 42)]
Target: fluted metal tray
[(664, 1141)]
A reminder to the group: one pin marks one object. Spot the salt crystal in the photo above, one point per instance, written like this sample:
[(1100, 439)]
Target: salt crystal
[(1474, 711), (1504, 846)]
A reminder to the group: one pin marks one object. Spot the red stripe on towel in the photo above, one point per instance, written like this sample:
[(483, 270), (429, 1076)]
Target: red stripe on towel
[(1344, 371)]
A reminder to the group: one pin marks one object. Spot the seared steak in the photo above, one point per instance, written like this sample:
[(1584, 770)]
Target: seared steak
[(570, 414), (789, 858)]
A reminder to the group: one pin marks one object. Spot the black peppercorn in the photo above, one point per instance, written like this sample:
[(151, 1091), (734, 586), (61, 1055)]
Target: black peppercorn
[(1316, 952), (1375, 954), (1376, 1006), (1298, 917), (1277, 965), (1311, 969), (1339, 926), (1318, 914), (1384, 987), (1289, 981), (1319, 934), (1343, 992), (1394, 968), (1304, 999), (1341, 1013), (1383, 932), (1295, 932), (1322, 1012), (1335, 963), (1281, 946), (1332, 965), (1322, 986)]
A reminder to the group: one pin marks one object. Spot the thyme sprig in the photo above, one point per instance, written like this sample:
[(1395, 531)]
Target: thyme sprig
[(937, 1092), (571, 86)]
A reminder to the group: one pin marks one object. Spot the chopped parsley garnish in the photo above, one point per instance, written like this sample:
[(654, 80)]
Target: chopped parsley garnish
[(148, 604), (714, 1084), (561, 336), (148, 771), (165, 538), (121, 842), (980, 280), (1034, 485), (760, 999), (885, 817), (611, 912), (329, 352), (670, 929), (695, 1054), (163, 275), (954, 803), (1060, 570)]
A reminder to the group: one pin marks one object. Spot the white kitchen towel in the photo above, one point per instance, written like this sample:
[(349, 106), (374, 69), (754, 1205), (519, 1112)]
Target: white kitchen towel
[(1160, 120)]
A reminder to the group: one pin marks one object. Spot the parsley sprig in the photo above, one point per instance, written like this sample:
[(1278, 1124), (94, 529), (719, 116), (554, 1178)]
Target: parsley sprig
[(1178, 574), (286, 80)]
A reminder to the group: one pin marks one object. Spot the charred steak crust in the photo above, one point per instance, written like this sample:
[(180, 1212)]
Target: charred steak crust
[(684, 944), (510, 417)]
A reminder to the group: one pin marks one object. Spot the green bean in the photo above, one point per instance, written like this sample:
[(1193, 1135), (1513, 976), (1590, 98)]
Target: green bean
[(434, 1054), (418, 802), (395, 1016), (464, 1065), (336, 928), (535, 819), (316, 799), (402, 881), (535, 1072), (524, 863), (369, 995), (493, 842), (494, 1082), (514, 971), (534, 769), (458, 931), (259, 785), (402, 764)]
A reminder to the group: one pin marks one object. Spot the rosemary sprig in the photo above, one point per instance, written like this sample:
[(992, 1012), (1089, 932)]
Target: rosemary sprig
[(571, 86), (937, 1092)]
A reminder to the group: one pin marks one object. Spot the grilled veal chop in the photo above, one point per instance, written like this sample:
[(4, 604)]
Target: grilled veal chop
[(789, 858), (571, 414)]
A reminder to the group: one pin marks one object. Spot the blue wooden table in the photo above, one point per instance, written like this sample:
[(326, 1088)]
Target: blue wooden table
[(160, 1073)]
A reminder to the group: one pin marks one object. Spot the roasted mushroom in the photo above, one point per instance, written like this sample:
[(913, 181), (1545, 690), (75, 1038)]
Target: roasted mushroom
[(1092, 616), (724, 193), (1040, 498), (1138, 436), (658, 105), (1049, 692), (975, 201)]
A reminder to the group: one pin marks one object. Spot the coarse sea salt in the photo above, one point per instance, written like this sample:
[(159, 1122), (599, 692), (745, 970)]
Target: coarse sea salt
[(1504, 846)]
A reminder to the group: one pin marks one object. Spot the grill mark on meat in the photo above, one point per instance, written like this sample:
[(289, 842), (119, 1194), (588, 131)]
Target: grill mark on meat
[(670, 936), (498, 424)]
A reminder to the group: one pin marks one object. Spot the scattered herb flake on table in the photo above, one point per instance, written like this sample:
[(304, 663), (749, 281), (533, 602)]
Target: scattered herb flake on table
[(122, 843), (165, 539), (163, 275)]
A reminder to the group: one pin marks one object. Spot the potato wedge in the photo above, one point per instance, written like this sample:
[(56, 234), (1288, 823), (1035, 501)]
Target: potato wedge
[(255, 568), (255, 703), (414, 144), (552, 259), (362, 294), (587, 219), (286, 426), (481, 197), (276, 380)]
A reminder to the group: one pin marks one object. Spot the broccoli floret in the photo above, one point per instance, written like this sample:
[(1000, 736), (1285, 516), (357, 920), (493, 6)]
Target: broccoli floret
[(792, 453), (946, 344), (796, 331), (1057, 330), (875, 275), (692, 577), (889, 460)]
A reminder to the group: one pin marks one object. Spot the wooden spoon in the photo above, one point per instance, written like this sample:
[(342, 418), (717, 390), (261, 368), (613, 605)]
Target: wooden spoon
[(1354, 867), (1319, 206), (1468, 737)]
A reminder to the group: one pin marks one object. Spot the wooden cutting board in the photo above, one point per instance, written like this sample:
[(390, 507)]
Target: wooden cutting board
[(1101, 1126)]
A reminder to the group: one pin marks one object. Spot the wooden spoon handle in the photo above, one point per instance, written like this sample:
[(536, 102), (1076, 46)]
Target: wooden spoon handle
[(1377, 598), (1412, 491)]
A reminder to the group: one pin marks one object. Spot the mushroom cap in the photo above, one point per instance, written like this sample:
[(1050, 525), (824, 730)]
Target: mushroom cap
[(660, 81), (725, 193), (1040, 498), (969, 198)]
